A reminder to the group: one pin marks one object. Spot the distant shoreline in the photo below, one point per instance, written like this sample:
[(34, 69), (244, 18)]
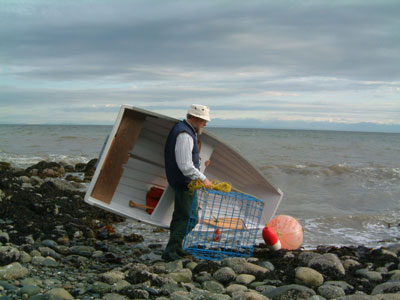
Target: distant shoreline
[(351, 128)]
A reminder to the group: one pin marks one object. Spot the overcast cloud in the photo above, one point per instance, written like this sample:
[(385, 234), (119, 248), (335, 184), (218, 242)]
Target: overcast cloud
[(269, 61)]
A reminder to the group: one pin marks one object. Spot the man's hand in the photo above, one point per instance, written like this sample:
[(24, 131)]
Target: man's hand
[(207, 163), (207, 183)]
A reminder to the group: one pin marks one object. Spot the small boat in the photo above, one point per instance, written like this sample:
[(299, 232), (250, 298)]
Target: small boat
[(132, 162)]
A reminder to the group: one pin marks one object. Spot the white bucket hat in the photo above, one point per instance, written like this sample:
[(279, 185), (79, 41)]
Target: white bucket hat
[(200, 111)]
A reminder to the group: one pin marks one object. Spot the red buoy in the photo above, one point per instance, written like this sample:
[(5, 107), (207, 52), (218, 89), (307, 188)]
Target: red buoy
[(271, 238), (217, 235)]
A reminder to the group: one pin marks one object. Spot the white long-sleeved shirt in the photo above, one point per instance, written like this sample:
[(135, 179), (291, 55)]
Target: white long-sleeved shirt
[(183, 154)]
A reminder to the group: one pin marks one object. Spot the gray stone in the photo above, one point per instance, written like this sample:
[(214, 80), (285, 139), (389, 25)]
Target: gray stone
[(308, 277), (37, 260), (31, 281), (329, 264), (191, 265), (112, 296), (249, 268), (180, 295), (203, 276), (330, 291), (394, 275), (387, 287), (7, 286), (85, 251), (306, 257), (234, 288), (26, 185), (60, 292), (350, 263), (174, 266), (29, 290), (291, 291), (316, 297), (46, 251), (348, 288), (4, 237), (49, 243), (134, 293), (13, 271), (225, 275), (112, 277), (266, 264), (24, 257), (249, 295), (184, 275), (370, 275), (8, 255), (171, 287), (214, 296), (213, 286), (245, 279), (36, 180), (360, 296), (263, 289), (50, 262), (118, 286), (100, 287), (45, 297), (65, 185)]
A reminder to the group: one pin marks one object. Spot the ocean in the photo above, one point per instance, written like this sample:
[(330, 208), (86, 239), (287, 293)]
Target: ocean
[(343, 187)]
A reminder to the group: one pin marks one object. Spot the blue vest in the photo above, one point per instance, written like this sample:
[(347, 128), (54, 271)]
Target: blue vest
[(174, 175)]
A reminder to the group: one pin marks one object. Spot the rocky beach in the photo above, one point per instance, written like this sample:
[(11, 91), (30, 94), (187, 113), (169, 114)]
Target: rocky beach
[(55, 246)]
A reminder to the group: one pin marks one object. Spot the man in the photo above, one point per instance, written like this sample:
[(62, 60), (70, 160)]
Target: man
[(182, 165)]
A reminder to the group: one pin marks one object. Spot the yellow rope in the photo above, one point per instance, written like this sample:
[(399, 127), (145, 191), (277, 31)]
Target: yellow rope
[(216, 185)]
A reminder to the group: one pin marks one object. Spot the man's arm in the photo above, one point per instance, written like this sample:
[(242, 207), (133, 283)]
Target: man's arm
[(183, 154)]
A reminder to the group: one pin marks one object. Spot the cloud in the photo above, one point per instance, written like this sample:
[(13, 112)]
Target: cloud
[(313, 59)]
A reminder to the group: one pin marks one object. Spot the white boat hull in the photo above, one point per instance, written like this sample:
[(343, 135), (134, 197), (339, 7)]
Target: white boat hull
[(132, 162)]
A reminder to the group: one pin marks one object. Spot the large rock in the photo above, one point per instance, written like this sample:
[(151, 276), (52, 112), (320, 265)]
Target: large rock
[(8, 255), (291, 291), (213, 286), (60, 292), (90, 167), (330, 291), (225, 275), (370, 275), (13, 271), (4, 237), (249, 295), (46, 169), (308, 277), (387, 287), (328, 264), (112, 277), (241, 266), (245, 279), (65, 185), (348, 288), (234, 289), (184, 275)]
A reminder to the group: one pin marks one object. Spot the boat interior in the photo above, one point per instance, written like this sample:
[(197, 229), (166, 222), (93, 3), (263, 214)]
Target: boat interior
[(132, 162)]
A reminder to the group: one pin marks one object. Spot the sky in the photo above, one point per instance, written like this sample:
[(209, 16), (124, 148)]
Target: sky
[(274, 64)]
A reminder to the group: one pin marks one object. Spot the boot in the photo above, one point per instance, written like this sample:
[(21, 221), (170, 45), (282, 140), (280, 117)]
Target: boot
[(182, 252), (170, 252), (170, 256)]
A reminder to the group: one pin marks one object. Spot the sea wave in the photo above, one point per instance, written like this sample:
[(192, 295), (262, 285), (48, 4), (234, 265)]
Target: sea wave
[(351, 230), (371, 172), (24, 161)]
